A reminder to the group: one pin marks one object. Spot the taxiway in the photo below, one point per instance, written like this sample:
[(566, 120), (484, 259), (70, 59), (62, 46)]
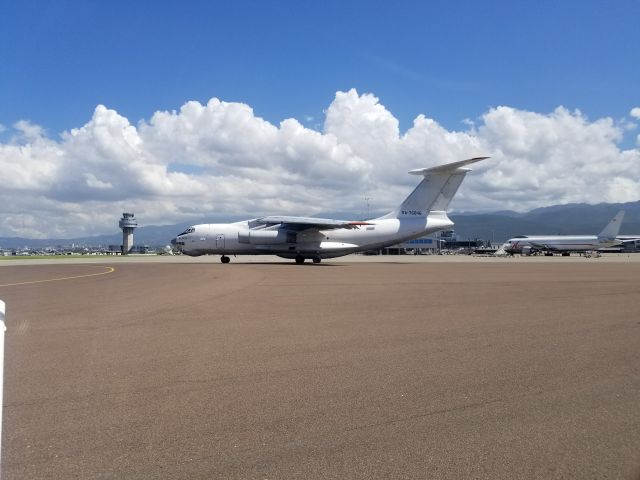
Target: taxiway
[(377, 367)]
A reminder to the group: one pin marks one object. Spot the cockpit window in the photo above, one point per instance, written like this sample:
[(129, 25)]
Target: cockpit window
[(188, 230)]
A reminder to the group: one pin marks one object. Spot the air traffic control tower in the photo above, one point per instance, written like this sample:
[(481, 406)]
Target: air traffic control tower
[(128, 224)]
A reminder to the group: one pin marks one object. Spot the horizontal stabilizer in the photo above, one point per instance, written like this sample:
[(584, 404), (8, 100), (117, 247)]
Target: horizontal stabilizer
[(447, 168)]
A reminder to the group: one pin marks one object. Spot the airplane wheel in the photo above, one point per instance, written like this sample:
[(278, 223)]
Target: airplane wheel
[(225, 259), (299, 259), (316, 259)]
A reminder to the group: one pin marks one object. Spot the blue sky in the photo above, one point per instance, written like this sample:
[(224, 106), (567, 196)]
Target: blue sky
[(105, 107), (448, 60)]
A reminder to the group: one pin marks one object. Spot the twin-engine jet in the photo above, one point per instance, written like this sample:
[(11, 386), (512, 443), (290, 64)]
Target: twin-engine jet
[(301, 238), (565, 244)]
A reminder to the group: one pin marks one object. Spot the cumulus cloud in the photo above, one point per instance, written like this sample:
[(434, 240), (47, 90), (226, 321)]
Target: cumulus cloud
[(27, 131), (221, 159), (635, 112)]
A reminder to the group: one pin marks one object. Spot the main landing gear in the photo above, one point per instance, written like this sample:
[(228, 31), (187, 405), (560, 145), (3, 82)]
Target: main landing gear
[(225, 259), (300, 259)]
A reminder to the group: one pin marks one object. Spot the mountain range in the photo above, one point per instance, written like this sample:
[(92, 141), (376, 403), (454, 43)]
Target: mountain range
[(568, 219)]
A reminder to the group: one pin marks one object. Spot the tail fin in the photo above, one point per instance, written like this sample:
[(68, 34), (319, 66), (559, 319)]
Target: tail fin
[(611, 231), (435, 191)]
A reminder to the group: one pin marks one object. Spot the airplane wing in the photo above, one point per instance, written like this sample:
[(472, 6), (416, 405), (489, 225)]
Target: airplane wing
[(626, 239), (303, 223), (543, 246)]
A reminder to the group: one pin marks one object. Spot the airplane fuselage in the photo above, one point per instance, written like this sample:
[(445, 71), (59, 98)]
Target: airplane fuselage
[(423, 212), (242, 238), (566, 243), (558, 243)]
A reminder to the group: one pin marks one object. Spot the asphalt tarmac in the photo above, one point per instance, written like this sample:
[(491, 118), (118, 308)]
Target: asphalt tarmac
[(184, 369)]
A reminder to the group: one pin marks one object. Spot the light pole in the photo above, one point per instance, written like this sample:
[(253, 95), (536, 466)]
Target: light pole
[(367, 199)]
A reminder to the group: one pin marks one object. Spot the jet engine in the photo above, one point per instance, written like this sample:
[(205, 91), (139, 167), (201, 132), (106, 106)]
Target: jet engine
[(262, 237)]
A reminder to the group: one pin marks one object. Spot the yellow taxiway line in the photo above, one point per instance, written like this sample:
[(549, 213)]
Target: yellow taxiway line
[(109, 270)]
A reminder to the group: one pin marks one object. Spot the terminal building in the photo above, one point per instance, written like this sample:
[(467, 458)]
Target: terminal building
[(444, 241), (135, 249)]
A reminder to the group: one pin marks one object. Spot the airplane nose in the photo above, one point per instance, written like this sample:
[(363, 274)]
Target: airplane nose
[(174, 241)]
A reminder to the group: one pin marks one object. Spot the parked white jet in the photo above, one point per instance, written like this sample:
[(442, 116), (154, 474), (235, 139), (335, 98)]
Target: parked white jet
[(300, 238), (565, 244)]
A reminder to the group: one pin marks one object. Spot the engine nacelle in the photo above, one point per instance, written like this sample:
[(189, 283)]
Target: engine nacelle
[(262, 237)]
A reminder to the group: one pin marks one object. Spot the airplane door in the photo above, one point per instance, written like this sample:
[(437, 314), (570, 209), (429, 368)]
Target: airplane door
[(220, 241)]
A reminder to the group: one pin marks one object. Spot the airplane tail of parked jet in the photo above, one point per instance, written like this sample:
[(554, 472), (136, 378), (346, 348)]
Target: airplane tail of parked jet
[(611, 231), (435, 191)]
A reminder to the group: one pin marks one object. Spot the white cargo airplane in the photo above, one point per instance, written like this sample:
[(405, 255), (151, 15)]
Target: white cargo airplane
[(301, 238), (565, 244)]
